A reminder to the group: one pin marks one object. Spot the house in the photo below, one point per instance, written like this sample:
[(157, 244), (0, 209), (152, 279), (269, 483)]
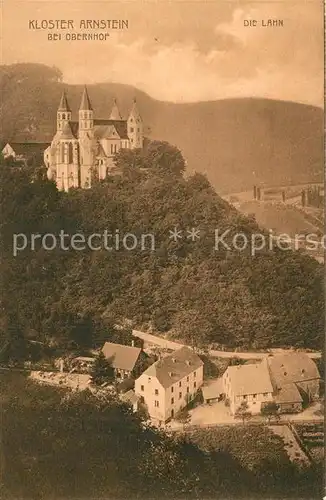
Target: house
[(131, 398), (126, 360), (24, 150), (250, 383), (170, 383), (295, 379), (213, 390)]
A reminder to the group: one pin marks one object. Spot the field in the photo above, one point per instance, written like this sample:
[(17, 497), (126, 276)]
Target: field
[(312, 436), (249, 444)]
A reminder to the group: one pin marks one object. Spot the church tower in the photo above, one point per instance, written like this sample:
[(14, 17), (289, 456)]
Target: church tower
[(86, 114), (63, 113), (135, 127), (115, 113), (86, 140)]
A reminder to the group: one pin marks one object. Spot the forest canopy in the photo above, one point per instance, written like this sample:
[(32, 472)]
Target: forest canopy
[(185, 288)]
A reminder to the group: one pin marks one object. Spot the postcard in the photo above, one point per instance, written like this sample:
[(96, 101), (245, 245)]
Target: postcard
[(162, 324)]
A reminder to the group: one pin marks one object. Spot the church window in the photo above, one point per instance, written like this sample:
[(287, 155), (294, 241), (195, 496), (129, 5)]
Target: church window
[(62, 153), (70, 153), (63, 116)]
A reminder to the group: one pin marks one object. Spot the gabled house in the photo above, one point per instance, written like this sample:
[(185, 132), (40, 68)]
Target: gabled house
[(250, 383), (126, 360), (24, 150), (170, 383), (295, 379)]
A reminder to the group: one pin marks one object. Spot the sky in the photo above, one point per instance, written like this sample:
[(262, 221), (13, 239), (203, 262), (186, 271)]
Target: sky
[(180, 50)]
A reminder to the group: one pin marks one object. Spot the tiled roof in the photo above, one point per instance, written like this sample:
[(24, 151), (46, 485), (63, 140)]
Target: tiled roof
[(288, 394), (213, 389), (130, 397), (101, 128), (250, 379), (292, 367), (175, 366), (121, 356)]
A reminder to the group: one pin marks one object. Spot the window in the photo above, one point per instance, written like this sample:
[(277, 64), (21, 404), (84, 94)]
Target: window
[(156, 392), (195, 385), (149, 379), (187, 389), (111, 149), (179, 384), (172, 401), (141, 387), (172, 389), (285, 373), (194, 374), (244, 397), (187, 379), (131, 129), (156, 404), (180, 395), (265, 394), (254, 395)]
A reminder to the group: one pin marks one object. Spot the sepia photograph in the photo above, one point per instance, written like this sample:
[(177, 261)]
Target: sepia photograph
[(162, 319)]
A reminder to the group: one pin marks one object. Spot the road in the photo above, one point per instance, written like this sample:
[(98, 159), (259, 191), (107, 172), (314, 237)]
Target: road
[(169, 344)]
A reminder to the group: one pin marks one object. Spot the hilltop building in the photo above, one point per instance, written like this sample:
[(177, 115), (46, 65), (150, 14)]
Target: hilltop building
[(83, 150), (170, 384)]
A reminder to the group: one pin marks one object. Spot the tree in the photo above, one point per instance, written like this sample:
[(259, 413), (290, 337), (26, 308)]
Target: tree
[(243, 412), (102, 370), (183, 416), (270, 410)]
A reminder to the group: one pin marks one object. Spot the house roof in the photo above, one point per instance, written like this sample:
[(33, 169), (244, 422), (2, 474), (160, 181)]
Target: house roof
[(291, 367), (288, 394), (213, 389), (123, 357), (250, 379), (130, 397), (175, 366), (28, 148)]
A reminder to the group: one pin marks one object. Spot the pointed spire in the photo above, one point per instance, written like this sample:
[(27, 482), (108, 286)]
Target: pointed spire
[(85, 104), (134, 110), (64, 106), (115, 113)]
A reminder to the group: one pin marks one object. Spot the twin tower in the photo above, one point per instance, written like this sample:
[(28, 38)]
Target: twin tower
[(83, 150)]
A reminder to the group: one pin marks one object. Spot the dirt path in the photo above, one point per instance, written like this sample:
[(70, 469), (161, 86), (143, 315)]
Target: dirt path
[(168, 344)]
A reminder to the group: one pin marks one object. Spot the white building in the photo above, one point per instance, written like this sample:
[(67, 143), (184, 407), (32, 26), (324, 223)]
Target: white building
[(250, 383), (169, 384)]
